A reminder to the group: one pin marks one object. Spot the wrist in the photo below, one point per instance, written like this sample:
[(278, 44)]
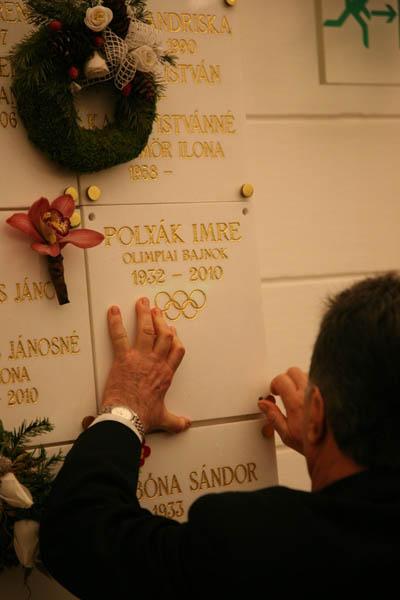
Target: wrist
[(123, 412), (111, 401)]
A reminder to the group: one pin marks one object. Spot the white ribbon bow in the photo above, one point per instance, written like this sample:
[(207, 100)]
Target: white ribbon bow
[(140, 51)]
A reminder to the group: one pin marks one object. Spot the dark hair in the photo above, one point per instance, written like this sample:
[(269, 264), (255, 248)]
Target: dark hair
[(356, 365)]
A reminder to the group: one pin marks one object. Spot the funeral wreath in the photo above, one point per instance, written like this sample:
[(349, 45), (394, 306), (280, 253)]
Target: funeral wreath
[(77, 44)]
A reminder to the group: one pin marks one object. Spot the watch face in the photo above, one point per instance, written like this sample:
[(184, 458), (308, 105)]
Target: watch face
[(122, 411)]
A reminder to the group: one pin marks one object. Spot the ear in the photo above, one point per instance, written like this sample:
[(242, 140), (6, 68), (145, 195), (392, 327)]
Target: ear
[(316, 423)]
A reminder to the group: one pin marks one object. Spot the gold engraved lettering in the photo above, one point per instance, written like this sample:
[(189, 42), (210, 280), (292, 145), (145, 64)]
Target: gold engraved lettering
[(200, 150), (157, 149), (153, 256), (174, 22), (23, 396), (7, 96), (8, 119), (216, 232), (209, 478), (5, 67), (181, 304), (158, 486), (205, 254), (42, 347), (3, 37), (206, 273), (13, 12), (144, 235), (10, 376), (181, 46), (196, 123), (36, 290), (189, 73), (171, 510), (143, 172), (149, 277), (3, 293)]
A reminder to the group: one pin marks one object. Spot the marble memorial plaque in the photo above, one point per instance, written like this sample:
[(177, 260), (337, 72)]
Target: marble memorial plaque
[(361, 44), (197, 263), (197, 136), (219, 458), (46, 364), (20, 160)]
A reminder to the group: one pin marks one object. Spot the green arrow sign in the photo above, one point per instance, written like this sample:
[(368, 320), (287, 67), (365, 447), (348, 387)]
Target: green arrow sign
[(390, 13), (359, 11)]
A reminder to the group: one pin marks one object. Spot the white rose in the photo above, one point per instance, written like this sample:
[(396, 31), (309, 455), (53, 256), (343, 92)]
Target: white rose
[(146, 59), (98, 17), (96, 67), (26, 542), (14, 493)]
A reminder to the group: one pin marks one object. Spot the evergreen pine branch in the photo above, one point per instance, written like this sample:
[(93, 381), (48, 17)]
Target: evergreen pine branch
[(27, 432), (66, 11)]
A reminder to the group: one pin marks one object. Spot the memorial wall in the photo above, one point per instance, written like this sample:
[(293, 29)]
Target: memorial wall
[(178, 227)]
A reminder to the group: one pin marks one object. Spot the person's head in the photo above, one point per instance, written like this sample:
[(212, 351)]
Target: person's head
[(354, 390)]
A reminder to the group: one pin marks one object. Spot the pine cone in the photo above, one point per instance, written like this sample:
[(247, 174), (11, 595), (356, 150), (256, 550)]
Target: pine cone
[(120, 23), (5, 466), (72, 46)]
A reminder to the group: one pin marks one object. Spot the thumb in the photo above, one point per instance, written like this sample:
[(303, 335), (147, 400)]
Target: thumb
[(174, 424), (275, 419)]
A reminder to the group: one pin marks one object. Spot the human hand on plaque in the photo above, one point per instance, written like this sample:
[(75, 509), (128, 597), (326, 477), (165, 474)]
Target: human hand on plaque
[(142, 373), (291, 387)]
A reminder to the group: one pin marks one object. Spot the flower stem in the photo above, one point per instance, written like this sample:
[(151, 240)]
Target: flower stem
[(56, 270)]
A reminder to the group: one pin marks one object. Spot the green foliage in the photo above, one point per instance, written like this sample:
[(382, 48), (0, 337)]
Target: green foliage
[(69, 12), (46, 104), (34, 469)]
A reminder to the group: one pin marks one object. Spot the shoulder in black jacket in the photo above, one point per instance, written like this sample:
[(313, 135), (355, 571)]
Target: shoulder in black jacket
[(99, 543)]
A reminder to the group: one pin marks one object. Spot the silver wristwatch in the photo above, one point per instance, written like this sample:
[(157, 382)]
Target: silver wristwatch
[(120, 410)]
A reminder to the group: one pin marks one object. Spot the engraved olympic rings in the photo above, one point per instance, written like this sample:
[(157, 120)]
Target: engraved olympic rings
[(181, 304)]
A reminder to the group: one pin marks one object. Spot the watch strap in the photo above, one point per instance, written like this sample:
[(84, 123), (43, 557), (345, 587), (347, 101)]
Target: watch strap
[(134, 418)]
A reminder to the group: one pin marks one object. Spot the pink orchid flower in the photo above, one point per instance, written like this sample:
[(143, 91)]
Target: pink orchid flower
[(50, 226)]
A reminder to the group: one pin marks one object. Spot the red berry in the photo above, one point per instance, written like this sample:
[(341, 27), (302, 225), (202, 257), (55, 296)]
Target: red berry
[(73, 72), (55, 25), (127, 89), (99, 41)]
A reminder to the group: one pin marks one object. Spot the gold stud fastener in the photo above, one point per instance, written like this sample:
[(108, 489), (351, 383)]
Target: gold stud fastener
[(93, 193), (247, 190), (75, 220), (230, 2), (73, 192)]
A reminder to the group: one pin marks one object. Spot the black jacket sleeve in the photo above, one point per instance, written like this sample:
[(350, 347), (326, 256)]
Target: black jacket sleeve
[(99, 543), (95, 538)]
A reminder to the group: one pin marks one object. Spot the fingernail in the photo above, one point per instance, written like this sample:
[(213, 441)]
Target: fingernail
[(145, 302), (115, 310)]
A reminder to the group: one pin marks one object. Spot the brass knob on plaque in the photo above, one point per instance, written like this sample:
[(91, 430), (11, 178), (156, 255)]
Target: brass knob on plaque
[(75, 220), (230, 2), (73, 192), (93, 193), (247, 190)]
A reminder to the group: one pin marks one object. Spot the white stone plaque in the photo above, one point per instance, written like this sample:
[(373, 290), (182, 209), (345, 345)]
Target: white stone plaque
[(20, 161), (361, 42), (195, 153), (46, 366), (197, 263), (219, 458)]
